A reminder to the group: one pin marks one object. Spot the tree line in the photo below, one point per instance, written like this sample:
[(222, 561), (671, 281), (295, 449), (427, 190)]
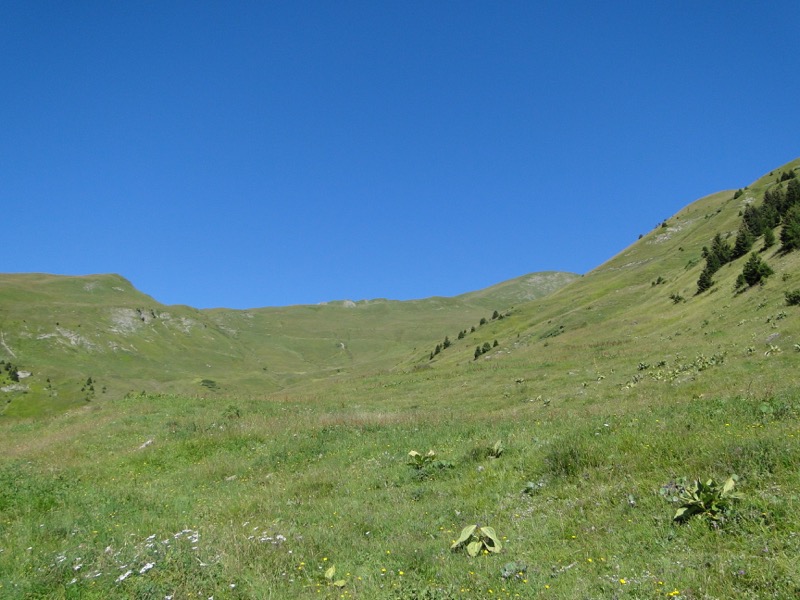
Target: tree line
[(780, 207), (446, 343)]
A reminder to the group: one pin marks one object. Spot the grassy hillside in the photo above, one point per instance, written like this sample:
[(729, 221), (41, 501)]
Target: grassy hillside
[(573, 438), (68, 331)]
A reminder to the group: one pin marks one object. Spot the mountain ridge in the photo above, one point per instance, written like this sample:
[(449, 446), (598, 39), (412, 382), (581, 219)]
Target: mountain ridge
[(71, 328)]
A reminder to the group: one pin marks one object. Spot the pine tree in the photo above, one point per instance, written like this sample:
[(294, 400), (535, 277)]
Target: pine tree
[(744, 241), (775, 198), (721, 249), (719, 254), (790, 233), (792, 195), (769, 238), (755, 270), (754, 220), (705, 280), (770, 216)]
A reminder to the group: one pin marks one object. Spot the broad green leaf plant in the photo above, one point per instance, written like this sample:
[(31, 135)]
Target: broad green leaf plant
[(418, 461), (477, 540), (329, 578), (707, 500)]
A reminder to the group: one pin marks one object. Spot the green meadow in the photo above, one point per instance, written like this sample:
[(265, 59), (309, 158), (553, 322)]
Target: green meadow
[(265, 453)]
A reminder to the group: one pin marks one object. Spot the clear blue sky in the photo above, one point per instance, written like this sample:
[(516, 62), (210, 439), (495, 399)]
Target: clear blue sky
[(245, 154)]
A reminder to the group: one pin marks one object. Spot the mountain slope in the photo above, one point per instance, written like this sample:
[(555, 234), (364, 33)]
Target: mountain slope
[(640, 309), (575, 440), (68, 330)]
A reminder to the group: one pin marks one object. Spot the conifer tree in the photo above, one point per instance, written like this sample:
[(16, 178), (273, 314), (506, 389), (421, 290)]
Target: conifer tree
[(719, 254), (754, 220), (769, 238), (792, 195), (705, 280), (774, 197), (744, 241), (755, 270), (790, 233), (769, 216), (721, 249)]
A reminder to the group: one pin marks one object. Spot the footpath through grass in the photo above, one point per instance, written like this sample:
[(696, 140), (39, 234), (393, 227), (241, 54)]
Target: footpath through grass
[(170, 497)]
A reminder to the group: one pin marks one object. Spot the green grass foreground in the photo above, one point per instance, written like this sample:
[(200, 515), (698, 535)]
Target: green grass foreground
[(157, 497)]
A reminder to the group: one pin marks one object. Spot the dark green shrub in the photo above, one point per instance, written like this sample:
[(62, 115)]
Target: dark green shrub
[(676, 298), (793, 298), (209, 383)]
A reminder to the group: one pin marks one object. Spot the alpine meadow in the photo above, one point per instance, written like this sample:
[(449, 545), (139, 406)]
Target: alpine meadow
[(633, 432)]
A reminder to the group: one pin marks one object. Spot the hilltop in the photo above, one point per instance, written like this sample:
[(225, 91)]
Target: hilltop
[(566, 432)]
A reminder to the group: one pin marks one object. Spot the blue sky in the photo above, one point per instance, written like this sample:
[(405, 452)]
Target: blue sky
[(245, 154)]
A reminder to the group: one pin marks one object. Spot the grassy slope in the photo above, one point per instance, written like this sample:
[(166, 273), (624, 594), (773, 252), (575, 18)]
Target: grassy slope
[(603, 394), (67, 329)]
